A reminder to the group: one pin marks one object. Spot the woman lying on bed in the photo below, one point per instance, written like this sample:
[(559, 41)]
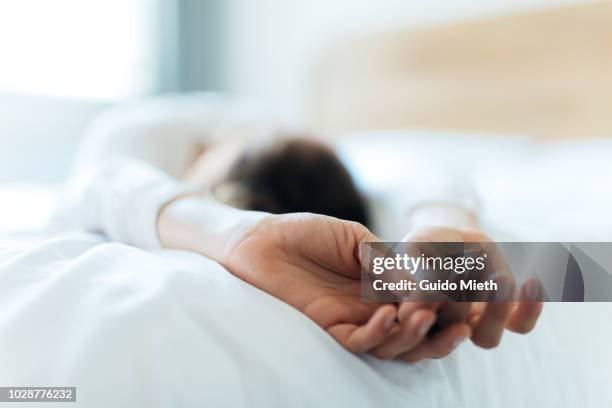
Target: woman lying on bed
[(279, 211)]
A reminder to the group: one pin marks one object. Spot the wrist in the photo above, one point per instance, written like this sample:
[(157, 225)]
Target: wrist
[(201, 224)]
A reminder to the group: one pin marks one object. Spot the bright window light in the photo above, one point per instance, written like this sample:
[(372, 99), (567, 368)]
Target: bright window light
[(93, 49)]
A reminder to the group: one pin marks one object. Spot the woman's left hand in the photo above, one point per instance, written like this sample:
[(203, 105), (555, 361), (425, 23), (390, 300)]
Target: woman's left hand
[(484, 321)]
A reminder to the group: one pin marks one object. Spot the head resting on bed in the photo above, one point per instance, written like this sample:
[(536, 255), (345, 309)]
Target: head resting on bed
[(283, 174)]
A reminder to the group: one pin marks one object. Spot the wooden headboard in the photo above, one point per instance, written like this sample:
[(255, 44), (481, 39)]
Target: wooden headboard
[(545, 73)]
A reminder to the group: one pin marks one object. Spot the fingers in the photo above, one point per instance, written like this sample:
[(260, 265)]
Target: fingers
[(406, 309), (360, 339), (439, 345), (489, 326), (526, 313), (408, 341), (453, 312), (406, 336)]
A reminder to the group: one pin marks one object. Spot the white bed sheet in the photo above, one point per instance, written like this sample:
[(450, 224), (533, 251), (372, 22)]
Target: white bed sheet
[(26, 207), (131, 328)]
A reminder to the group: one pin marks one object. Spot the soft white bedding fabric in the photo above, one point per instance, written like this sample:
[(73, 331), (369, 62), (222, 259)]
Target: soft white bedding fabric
[(134, 328), (26, 208), (556, 191)]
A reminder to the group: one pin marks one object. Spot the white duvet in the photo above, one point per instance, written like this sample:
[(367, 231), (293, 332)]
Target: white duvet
[(135, 329), (131, 328)]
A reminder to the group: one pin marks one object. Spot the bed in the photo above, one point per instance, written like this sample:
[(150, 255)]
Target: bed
[(132, 328)]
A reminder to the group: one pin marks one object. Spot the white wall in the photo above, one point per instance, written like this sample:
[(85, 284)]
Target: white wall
[(273, 43)]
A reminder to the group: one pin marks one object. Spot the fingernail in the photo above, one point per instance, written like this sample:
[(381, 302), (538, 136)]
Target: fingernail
[(389, 323), (533, 291), (425, 326), (458, 341)]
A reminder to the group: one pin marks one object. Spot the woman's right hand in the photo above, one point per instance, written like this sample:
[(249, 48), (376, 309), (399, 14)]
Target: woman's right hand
[(312, 263)]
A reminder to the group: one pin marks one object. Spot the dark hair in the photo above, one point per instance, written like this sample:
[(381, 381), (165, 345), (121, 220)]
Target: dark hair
[(293, 175)]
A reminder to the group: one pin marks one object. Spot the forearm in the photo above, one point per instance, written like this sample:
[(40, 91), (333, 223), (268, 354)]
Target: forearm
[(201, 224)]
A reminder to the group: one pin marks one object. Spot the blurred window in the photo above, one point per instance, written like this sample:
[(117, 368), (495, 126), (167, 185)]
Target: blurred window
[(87, 49)]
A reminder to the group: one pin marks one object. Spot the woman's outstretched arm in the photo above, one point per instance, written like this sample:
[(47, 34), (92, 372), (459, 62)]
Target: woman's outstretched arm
[(306, 260), (309, 261)]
